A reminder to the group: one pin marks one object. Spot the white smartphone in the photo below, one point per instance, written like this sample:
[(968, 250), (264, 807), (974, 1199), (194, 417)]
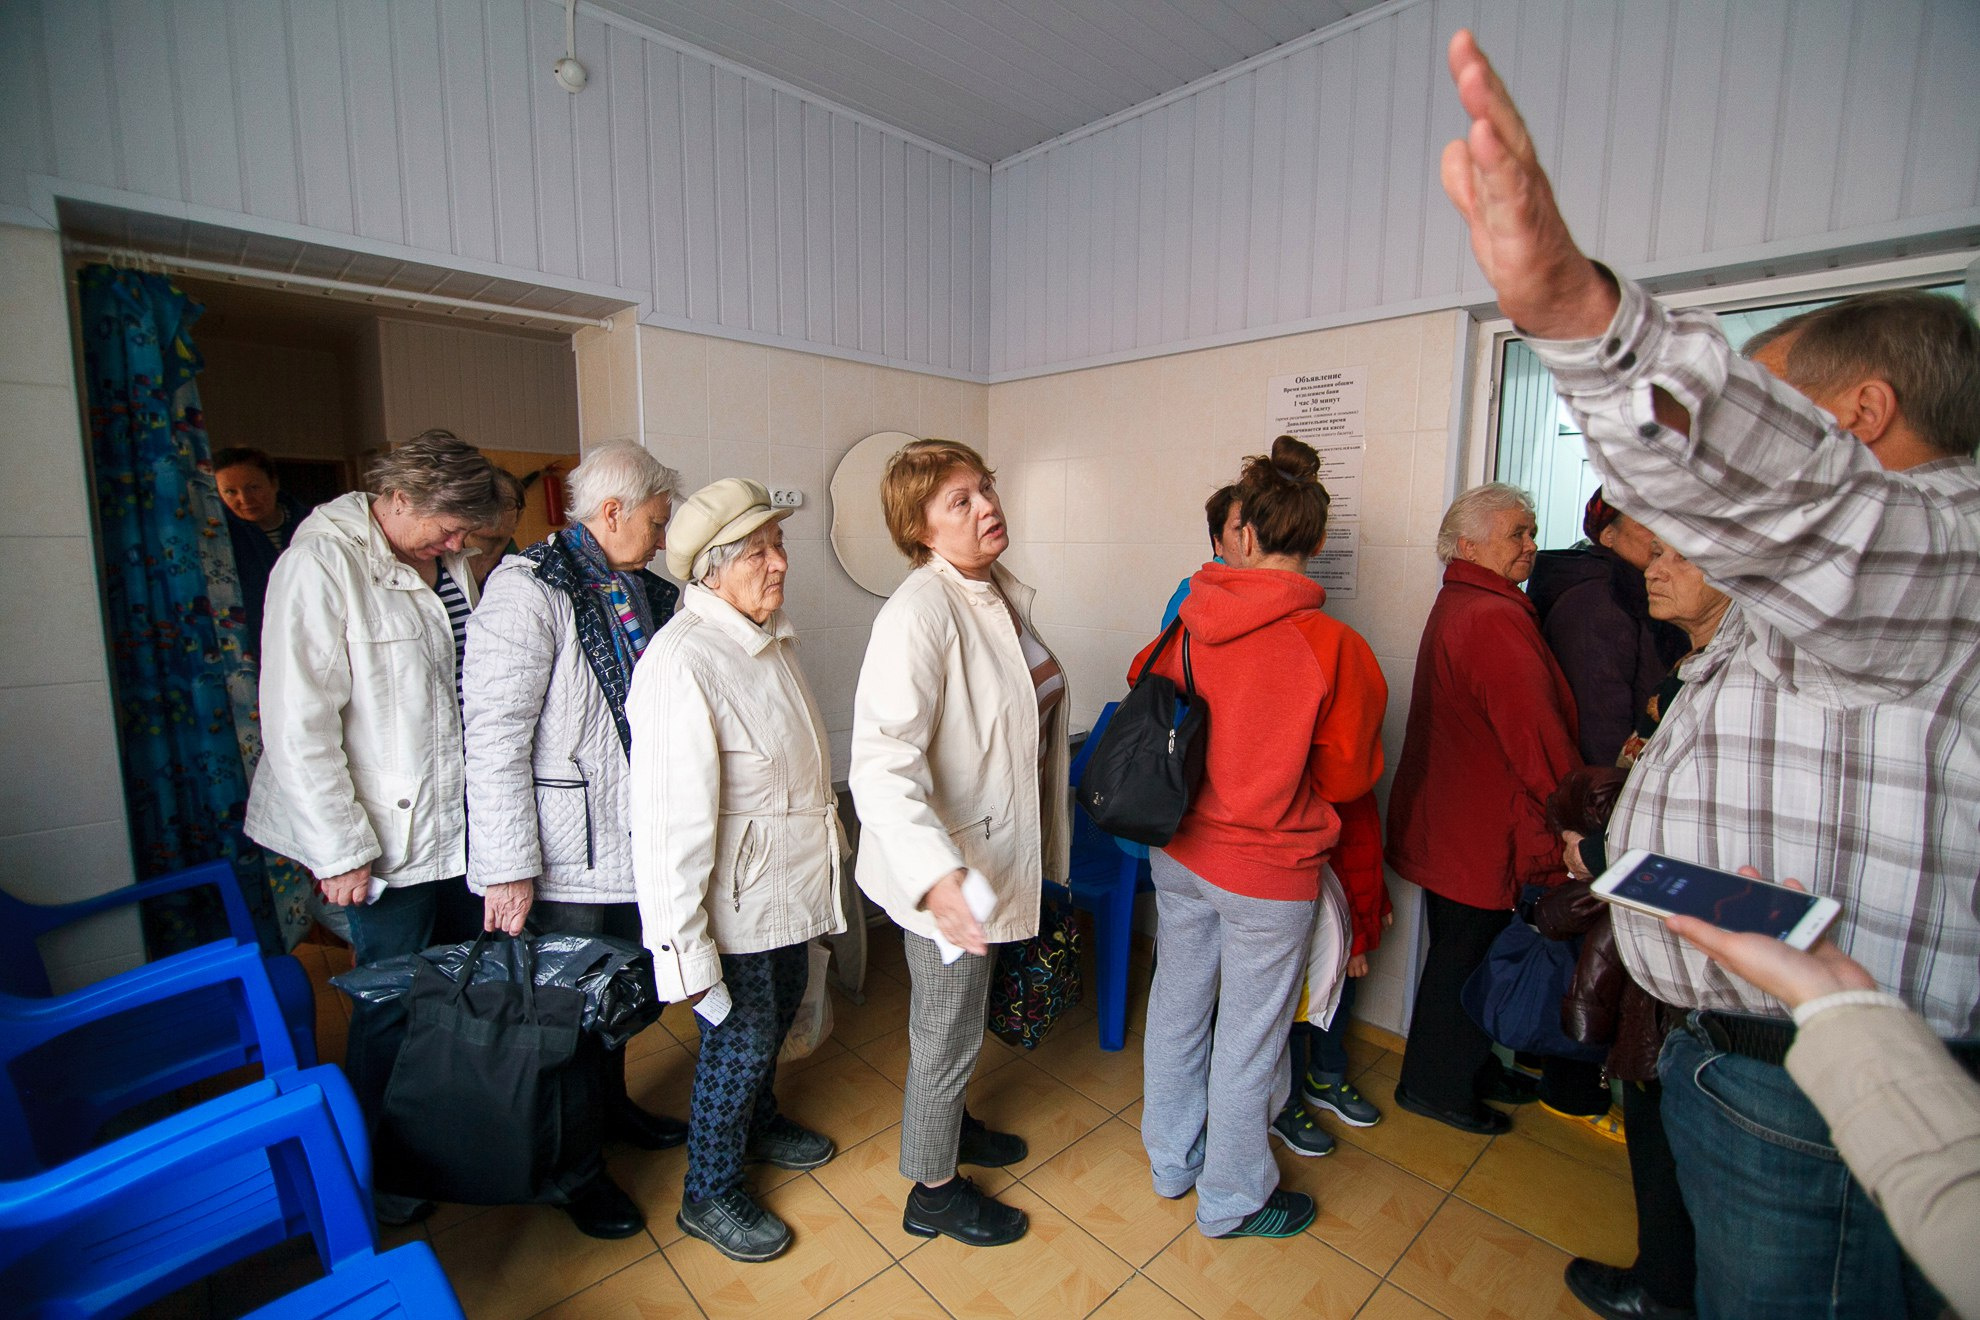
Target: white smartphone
[(1664, 886)]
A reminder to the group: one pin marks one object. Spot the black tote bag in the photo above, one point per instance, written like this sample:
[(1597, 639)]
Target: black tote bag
[(1149, 762), (494, 1099)]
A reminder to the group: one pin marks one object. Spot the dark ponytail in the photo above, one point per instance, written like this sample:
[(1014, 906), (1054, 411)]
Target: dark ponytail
[(1284, 503)]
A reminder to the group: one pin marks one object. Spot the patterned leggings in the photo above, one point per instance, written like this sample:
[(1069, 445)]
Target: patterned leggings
[(733, 1079)]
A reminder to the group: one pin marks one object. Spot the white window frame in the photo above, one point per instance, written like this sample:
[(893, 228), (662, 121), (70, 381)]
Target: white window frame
[(1481, 448)]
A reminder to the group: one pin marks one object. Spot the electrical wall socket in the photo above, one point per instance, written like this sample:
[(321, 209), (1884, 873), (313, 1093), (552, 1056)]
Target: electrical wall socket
[(786, 499)]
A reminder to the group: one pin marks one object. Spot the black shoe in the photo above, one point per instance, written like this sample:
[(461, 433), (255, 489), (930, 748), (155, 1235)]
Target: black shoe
[(636, 1127), (736, 1226), (787, 1146), (603, 1210), (1489, 1122), (1302, 1135), (1616, 1293), (397, 1211), (986, 1149), (967, 1215), (1284, 1214), (1510, 1086)]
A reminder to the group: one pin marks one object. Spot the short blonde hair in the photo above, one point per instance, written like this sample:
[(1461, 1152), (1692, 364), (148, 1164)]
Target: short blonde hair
[(1466, 516), (913, 476)]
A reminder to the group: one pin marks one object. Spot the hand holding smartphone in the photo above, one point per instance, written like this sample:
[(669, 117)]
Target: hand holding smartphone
[(1664, 886)]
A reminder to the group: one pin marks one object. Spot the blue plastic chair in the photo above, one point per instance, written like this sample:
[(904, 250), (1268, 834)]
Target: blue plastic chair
[(195, 1028), (70, 1064), (405, 1282), (146, 1214), (1106, 874)]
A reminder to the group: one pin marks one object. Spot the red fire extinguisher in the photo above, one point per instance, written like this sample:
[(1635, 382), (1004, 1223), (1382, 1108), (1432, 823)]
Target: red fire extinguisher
[(553, 497)]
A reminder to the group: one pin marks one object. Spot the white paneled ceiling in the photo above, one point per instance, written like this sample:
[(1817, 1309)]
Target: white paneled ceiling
[(986, 78)]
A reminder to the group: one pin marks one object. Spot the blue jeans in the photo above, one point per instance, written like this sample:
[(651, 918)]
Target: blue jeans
[(1784, 1231)]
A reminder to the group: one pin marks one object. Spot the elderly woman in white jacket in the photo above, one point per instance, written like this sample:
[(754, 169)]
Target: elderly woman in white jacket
[(736, 847), (958, 771), (361, 770), (550, 657)]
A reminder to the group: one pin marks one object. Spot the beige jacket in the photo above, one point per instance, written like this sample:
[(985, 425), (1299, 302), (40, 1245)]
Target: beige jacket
[(1906, 1120), (360, 724), (735, 829), (945, 765)]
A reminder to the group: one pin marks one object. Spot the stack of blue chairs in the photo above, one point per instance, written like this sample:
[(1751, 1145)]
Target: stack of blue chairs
[(1106, 874), (90, 1227)]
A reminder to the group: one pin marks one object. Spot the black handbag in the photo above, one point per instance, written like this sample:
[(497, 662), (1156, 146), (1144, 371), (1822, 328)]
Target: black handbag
[(1149, 761), (1036, 980), (494, 1098)]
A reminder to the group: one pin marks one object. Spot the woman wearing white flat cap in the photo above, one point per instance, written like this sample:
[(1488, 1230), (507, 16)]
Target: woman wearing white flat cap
[(736, 846)]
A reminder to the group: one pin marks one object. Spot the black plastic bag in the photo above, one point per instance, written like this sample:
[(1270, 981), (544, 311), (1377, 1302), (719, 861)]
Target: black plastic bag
[(493, 1099), (615, 977)]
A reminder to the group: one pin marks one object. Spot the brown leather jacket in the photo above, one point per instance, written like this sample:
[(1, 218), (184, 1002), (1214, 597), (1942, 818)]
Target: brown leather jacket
[(1603, 1002)]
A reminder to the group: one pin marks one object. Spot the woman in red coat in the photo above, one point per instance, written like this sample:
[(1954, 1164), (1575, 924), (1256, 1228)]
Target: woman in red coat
[(1491, 731)]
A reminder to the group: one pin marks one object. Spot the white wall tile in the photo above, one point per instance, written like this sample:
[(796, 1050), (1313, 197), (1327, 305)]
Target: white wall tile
[(63, 749), (62, 865), (739, 458), (35, 350), (797, 399), (66, 977), (675, 368), (41, 437), (738, 391), (1386, 468), (51, 627)]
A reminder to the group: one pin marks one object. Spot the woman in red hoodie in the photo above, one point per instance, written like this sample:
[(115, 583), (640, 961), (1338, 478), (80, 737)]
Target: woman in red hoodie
[(1297, 701), (1491, 731)]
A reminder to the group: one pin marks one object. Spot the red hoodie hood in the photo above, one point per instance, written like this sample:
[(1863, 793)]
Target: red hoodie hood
[(1226, 603)]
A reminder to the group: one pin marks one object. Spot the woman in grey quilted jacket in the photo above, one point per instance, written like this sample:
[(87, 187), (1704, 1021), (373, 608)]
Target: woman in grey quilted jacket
[(550, 658)]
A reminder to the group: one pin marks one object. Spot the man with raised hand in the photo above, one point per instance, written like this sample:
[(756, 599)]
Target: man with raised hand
[(1832, 729)]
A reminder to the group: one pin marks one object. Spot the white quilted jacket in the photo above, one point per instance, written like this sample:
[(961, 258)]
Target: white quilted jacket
[(545, 772), (361, 734)]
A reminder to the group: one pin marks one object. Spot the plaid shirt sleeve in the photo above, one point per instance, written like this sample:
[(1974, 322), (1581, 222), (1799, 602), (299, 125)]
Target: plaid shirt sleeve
[(1867, 573)]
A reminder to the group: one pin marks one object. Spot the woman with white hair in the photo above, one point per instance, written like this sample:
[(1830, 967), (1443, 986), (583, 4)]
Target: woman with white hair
[(1491, 732), (549, 662), (736, 847)]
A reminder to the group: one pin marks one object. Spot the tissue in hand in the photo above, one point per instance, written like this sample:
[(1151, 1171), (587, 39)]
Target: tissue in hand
[(982, 902)]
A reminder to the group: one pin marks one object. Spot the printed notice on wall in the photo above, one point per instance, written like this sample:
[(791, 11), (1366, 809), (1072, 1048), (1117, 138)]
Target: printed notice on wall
[(1325, 409)]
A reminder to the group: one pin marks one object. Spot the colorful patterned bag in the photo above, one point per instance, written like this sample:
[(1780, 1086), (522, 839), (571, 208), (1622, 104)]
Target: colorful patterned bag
[(1036, 980)]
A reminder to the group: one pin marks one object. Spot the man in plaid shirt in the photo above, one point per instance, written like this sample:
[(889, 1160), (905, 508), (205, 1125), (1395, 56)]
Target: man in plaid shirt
[(1830, 732)]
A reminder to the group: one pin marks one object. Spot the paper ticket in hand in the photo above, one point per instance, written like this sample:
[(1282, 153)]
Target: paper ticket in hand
[(982, 902), (715, 1005), (374, 891)]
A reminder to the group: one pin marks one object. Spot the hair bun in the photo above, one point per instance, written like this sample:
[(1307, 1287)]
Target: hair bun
[(1294, 460)]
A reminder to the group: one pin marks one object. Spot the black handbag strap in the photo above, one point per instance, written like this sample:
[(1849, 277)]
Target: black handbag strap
[(1161, 643)]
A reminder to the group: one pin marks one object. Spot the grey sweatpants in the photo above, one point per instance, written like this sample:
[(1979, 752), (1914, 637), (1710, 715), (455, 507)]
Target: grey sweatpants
[(1210, 1095)]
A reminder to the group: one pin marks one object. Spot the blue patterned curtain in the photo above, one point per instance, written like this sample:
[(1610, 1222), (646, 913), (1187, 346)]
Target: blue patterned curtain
[(186, 693)]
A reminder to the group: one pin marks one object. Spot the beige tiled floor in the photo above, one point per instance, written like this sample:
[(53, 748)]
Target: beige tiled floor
[(1416, 1220)]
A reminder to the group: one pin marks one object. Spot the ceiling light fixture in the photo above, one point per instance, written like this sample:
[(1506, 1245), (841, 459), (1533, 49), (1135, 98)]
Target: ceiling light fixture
[(571, 75)]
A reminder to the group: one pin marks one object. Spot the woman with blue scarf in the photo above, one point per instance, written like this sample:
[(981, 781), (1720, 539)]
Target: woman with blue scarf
[(550, 658)]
